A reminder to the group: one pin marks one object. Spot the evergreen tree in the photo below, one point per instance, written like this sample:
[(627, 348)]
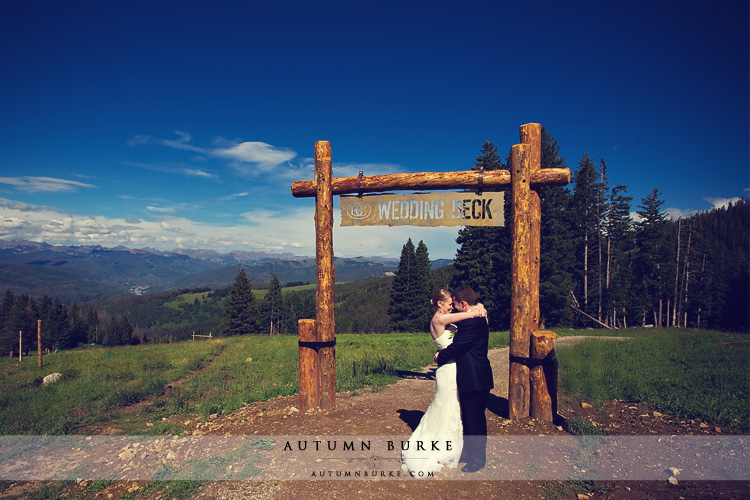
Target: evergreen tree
[(587, 199), (93, 334), (422, 284), (6, 331), (117, 331), (619, 266), (45, 309), (409, 296), (557, 245), (239, 309), (22, 318), (78, 327), (652, 258), (58, 326), (5, 306), (271, 307)]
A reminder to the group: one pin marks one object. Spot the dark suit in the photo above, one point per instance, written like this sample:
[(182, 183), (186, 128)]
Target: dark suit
[(474, 381)]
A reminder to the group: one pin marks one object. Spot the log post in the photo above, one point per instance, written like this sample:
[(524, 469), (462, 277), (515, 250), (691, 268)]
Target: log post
[(543, 379), (324, 324), (39, 343), (520, 292), (309, 374), (520, 310), (531, 134), (541, 399)]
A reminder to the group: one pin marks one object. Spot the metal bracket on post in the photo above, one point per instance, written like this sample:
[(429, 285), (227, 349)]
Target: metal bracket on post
[(359, 184), (481, 181)]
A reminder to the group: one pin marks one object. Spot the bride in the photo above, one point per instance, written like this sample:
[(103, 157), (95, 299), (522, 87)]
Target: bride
[(441, 423)]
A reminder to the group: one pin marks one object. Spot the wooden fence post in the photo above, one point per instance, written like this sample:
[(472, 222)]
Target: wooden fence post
[(39, 343), (325, 277)]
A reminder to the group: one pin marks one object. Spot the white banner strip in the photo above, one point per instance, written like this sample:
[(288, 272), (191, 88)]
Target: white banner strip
[(217, 458)]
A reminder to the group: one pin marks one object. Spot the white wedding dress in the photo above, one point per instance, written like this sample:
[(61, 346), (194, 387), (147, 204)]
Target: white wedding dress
[(441, 423)]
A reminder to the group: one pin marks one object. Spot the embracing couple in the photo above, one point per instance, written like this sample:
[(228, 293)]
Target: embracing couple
[(455, 421)]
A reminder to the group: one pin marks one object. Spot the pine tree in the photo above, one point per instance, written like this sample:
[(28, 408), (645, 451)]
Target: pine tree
[(93, 328), (239, 309), (6, 331), (652, 258), (587, 199), (557, 245), (619, 251), (409, 294), (22, 318), (271, 307), (422, 288), (59, 327), (117, 331)]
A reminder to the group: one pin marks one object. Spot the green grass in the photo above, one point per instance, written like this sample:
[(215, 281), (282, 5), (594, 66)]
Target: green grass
[(94, 381), (186, 298), (98, 382), (258, 368), (690, 373)]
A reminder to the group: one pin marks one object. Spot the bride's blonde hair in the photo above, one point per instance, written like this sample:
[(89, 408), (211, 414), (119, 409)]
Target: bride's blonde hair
[(440, 295)]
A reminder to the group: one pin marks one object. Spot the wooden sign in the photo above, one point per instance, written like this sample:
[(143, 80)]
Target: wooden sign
[(424, 209)]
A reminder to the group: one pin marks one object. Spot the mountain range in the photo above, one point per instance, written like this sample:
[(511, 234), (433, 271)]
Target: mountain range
[(79, 273)]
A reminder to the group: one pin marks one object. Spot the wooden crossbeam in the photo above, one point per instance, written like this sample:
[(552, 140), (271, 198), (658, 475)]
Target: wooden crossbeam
[(428, 181)]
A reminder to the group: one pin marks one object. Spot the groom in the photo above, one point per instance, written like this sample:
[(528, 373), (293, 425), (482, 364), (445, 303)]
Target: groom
[(473, 377)]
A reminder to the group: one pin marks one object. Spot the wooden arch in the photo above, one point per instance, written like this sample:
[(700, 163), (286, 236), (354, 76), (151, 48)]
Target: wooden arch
[(532, 382)]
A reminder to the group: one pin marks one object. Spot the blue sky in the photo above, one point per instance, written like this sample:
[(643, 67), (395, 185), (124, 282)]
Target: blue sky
[(183, 124)]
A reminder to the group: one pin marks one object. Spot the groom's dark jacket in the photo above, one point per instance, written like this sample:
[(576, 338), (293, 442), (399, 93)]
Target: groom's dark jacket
[(469, 349)]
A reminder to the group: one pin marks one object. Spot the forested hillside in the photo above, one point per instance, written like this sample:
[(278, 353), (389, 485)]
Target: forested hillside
[(615, 269)]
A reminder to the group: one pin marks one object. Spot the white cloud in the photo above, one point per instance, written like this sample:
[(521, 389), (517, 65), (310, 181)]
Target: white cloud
[(260, 154), (198, 173), (11, 223), (233, 196), (173, 169), (255, 158), (721, 202), (249, 158), (163, 210), (24, 207), (43, 184), (183, 142), (679, 213)]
